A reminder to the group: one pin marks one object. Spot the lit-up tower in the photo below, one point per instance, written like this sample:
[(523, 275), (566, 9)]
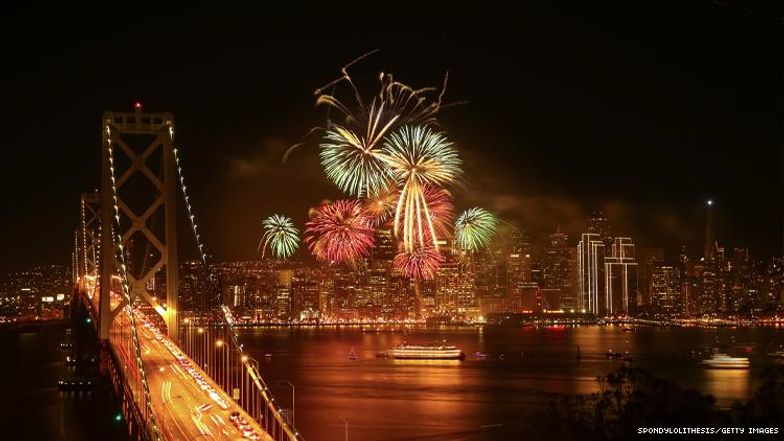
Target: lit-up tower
[(590, 267), (710, 232), (620, 270), (712, 297)]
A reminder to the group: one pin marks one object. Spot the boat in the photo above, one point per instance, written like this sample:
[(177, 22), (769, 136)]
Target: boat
[(627, 356), (612, 355), (433, 351), (777, 354), (352, 355), (268, 355), (481, 355), (724, 361)]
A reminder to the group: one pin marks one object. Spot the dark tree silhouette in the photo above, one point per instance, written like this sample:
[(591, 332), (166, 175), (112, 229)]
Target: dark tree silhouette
[(631, 398)]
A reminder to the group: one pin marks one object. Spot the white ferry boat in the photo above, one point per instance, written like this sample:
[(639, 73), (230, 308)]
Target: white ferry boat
[(779, 355), (724, 361), (433, 351)]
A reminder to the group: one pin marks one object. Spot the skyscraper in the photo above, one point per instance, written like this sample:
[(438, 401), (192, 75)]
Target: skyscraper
[(380, 269), (712, 297), (590, 267), (518, 270), (666, 289), (305, 299), (710, 232), (558, 274), (620, 271), (600, 225), (648, 259)]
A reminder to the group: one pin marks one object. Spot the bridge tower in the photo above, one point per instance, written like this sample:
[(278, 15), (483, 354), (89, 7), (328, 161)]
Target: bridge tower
[(87, 236), (139, 192)]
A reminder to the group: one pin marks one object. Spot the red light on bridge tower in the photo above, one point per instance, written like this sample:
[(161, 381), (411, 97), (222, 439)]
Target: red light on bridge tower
[(137, 105)]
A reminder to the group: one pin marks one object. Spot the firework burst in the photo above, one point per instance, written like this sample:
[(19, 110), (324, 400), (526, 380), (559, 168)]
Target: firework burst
[(339, 231), (420, 263), (351, 151), (380, 207), (353, 162), (419, 158), (474, 229), (280, 236)]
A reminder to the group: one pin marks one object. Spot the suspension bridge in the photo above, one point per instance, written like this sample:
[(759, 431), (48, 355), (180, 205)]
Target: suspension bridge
[(177, 376)]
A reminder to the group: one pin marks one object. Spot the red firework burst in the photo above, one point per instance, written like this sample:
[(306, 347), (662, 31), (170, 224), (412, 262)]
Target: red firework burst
[(421, 263), (339, 231)]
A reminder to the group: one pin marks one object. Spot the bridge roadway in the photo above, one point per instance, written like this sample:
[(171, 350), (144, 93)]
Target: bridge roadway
[(182, 409)]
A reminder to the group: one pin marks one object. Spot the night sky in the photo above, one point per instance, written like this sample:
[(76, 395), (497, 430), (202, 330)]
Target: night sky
[(643, 111)]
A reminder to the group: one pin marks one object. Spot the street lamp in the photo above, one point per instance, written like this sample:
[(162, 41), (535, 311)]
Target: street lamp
[(293, 402), (345, 421), (252, 398), (221, 371)]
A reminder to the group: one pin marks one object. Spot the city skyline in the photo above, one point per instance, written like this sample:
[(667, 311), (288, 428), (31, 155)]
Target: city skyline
[(600, 272), (603, 275)]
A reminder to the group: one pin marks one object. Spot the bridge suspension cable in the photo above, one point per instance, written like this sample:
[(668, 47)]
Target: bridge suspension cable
[(126, 290), (282, 428)]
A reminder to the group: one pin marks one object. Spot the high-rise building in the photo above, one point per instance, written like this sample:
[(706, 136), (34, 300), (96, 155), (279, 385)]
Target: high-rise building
[(710, 293), (305, 299), (551, 299), (467, 299), (283, 302), (448, 283), (559, 239), (384, 250), (199, 288), (490, 270), (518, 272), (521, 242), (590, 267), (559, 273), (648, 259), (530, 299), (713, 296), (620, 271), (665, 289), (600, 225), (710, 232), (379, 269)]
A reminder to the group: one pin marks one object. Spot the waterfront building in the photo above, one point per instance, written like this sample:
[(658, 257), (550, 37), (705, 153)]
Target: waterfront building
[(620, 270), (591, 281)]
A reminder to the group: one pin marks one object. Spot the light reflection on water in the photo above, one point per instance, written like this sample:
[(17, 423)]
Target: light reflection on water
[(727, 385), (33, 408), (387, 399)]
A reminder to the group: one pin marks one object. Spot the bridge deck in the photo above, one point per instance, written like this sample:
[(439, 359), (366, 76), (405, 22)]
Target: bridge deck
[(184, 410)]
